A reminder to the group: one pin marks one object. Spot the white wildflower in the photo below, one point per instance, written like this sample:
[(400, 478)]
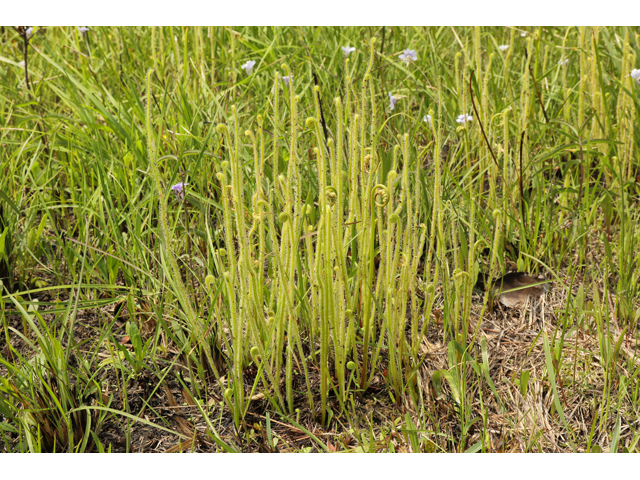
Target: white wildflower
[(248, 66), (347, 50)]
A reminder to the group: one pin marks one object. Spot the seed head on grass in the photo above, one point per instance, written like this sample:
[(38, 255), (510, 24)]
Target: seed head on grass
[(408, 56), (178, 189), (347, 50), (248, 66)]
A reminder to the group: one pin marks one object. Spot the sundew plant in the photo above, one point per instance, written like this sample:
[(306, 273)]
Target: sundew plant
[(300, 239)]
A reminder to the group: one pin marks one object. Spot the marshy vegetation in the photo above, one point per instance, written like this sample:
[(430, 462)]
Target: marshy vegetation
[(265, 239)]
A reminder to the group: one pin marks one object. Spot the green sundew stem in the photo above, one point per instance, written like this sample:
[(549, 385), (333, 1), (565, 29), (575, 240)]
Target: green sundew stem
[(303, 361), (524, 120), (368, 261), (354, 209), (415, 339), (260, 204), (226, 207), (454, 237), (320, 153), (436, 216), (319, 132), (583, 74), (470, 267), (338, 183), (538, 46), (291, 164), (484, 101), (283, 291), (337, 254), (565, 90), (596, 93), (174, 42), (405, 177), (276, 133), (185, 48), (201, 55), (347, 89), (238, 201), (363, 109), (331, 292), (337, 173), (373, 121), (493, 267), (153, 48), (354, 205), (391, 222), (367, 253), (507, 62), (165, 236), (162, 49), (457, 58), (289, 374), (314, 284), (257, 217), (505, 163), (212, 46), (230, 277), (416, 194), (232, 41), (477, 31), (332, 161), (326, 294)]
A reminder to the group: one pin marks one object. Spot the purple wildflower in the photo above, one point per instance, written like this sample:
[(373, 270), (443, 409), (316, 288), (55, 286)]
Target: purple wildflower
[(178, 189), (393, 101), (408, 56)]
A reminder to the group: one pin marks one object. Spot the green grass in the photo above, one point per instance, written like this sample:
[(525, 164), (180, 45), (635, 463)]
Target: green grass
[(313, 289)]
